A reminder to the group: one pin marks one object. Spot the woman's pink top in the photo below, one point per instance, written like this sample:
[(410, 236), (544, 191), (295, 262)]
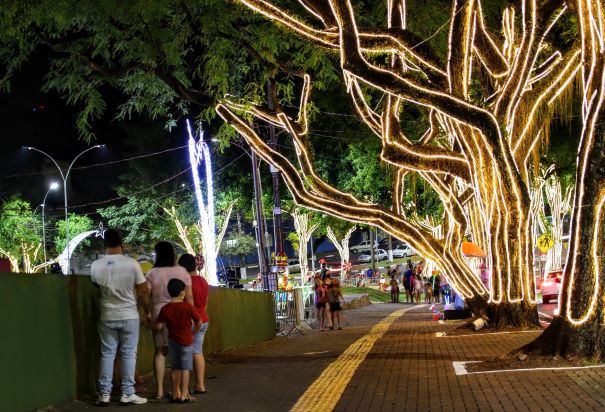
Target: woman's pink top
[(157, 281)]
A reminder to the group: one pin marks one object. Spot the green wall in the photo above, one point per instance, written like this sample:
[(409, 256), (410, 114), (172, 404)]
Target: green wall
[(49, 347)]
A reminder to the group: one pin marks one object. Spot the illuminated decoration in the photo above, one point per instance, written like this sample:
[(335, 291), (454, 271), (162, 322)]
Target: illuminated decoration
[(481, 141), (304, 231), (200, 153), (559, 201), (30, 253), (65, 256), (342, 247)]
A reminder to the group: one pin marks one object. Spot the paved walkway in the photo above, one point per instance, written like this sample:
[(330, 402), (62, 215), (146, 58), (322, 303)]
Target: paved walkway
[(386, 359)]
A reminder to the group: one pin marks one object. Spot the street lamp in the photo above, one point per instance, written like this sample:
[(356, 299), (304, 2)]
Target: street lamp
[(64, 177), (53, 186)]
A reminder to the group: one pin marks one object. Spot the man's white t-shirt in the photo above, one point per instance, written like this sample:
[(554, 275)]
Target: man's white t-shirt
[(117, 276)]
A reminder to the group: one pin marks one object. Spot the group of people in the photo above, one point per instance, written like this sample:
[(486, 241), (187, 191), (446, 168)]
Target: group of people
[(416, 283), (173, 299), (328, 299)]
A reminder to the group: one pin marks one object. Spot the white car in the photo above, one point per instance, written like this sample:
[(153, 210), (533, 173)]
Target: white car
[(364, 245), (379, 254), (551, 286), (293, 265), (402, 251)]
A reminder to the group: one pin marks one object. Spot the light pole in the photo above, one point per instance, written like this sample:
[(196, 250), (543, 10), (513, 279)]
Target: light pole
[(53, 186), (64, 177)]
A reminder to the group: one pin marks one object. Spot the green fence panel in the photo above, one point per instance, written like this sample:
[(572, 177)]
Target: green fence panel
[(37, 358), (49, 348), (237, 318)]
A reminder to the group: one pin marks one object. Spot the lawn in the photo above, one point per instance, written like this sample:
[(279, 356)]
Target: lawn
[(375, 295)]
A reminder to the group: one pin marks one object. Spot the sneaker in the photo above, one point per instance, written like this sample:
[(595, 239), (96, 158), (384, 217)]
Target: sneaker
[(133, 399), (103, 399)]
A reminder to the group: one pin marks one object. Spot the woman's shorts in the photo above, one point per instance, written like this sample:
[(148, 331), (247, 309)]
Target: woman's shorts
[(198, 338), (181, 356), (320, 305), (335, 307), (160, 337)]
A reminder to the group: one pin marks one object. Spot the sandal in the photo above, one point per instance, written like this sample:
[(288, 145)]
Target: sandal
[(196, 391)]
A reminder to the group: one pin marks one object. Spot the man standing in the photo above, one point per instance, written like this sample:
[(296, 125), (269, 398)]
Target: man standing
[(121, 286)]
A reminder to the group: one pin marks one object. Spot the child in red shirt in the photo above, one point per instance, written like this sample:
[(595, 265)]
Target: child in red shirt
[(178, 316)]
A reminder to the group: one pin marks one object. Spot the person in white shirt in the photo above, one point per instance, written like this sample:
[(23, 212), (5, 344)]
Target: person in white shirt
[(122, 287)]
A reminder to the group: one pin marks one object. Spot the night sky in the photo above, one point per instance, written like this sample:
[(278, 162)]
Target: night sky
[(44, 120)]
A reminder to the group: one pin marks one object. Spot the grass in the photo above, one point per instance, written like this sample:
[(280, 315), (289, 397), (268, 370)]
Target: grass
[(374, 294)]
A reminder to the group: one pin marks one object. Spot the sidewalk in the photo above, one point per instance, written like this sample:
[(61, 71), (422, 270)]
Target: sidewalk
[(383, 360)]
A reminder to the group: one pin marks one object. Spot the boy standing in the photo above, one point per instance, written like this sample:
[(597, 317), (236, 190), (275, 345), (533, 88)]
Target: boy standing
[(121, 285), (178, 316)]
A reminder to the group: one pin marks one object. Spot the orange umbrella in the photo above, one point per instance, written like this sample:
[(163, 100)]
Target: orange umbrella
[(471, 250)]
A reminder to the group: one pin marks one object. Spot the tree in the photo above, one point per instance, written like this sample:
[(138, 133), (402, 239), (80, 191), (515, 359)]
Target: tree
[(77, 225), (20, 239), (578, 330), (342, 246), (238, 243), (304, 229), (487, 106)]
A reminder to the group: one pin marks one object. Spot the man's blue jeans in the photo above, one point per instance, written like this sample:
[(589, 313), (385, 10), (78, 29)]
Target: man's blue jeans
[(125, 334)]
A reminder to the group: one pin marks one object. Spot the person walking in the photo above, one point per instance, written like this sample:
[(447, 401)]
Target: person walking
[(321, 297), (121, 286), (335, 299), (394, 289), (200, 290), (163, 271)]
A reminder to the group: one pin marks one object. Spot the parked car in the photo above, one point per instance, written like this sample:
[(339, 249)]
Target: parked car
[(379, 254), (402, 251), (551, 286), (364, 245), (293, 265), (395, 243)]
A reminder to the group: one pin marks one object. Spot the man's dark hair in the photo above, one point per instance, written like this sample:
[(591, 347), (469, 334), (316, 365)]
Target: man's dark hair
[(112, 238), (164, 255), (188, 262), (175, 287)]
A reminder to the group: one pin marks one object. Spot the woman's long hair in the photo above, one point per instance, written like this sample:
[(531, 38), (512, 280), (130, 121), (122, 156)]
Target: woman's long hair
[(164, 255)]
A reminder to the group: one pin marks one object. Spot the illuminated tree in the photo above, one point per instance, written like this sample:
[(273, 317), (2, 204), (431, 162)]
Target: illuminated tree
[(579, 329), (559, 202), (342, 246), (304, 229), (488, 106)]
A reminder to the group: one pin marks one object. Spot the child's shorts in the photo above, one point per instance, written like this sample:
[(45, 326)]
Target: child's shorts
[(181, 356)]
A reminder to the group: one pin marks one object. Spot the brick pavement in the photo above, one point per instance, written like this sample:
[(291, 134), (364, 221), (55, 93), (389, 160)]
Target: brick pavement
[(407, 369)]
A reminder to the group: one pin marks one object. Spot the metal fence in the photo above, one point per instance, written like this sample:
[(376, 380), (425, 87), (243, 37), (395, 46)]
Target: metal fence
[(293, 308)]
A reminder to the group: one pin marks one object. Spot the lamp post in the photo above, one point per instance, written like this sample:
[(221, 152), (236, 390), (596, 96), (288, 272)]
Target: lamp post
[(64, 177), (53, 186)]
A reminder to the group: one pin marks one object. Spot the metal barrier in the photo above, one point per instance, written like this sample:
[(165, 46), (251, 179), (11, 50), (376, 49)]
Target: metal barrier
[(291, 311)]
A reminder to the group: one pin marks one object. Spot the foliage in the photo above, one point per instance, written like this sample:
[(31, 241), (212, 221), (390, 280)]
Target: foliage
[(167, 59), (77, 224), (18, 226), (237, 243)]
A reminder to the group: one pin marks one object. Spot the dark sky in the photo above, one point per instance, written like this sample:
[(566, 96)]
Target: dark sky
[(32, 118)]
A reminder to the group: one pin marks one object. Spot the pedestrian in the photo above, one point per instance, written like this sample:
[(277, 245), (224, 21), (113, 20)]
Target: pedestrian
[(335, 299), (394, 289), (417, 287), (324, 272), (200, 290), (163, 271), (321, 297), (122, 288), (408, 284), (434, 284), (178, 317)]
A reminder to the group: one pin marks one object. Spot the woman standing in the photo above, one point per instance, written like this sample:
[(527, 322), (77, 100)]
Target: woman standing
[(157, 278), (200, 289)]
